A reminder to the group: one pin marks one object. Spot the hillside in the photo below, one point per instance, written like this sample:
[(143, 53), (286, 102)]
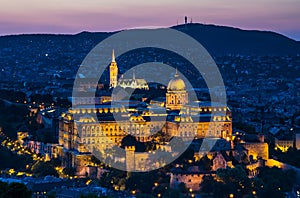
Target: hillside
[(228, 40), (218, 40)]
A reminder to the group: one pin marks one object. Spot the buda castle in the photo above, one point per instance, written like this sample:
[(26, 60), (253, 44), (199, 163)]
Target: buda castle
[(80, 132)]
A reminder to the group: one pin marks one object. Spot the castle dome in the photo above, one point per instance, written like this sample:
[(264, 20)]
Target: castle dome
[(176, 84)]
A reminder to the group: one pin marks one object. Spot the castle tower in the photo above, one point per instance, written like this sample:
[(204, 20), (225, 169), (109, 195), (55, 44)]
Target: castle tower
[(130, 158), (113, 71), (176, 95)]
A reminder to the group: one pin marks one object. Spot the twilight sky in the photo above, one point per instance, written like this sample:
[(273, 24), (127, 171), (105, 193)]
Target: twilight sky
[(73, 16)]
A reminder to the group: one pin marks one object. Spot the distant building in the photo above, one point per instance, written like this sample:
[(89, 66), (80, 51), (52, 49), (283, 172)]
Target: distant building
[(257, 150), (284, 144), (46, 149), (91, 100), (192, 178), (253, 168), (221, 160)]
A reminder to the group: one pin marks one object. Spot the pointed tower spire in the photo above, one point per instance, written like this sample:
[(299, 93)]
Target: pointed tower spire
[(113, 71), (176, 74), (113, 59), (133, 75)]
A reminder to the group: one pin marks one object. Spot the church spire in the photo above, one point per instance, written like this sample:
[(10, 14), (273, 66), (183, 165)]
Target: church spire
[(113, 59), (176, 74), (133, 75), (113, 71)]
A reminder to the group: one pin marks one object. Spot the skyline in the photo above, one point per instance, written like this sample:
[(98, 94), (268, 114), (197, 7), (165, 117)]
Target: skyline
[(74, 16)]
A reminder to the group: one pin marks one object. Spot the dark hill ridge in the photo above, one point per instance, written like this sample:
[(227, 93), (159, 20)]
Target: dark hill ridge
[(225, 40), (218, 40)]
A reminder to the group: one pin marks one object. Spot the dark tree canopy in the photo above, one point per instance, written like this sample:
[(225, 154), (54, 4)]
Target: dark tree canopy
[(14, 190)]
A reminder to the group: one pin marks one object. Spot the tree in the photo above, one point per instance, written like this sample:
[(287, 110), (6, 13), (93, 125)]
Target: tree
[(47, 98), (42, 169), (10, 159), (141, 181), (51, 194), (46, 135), (232, 180), (174, 193), (36, 98), (208, 184), (182, 188), (69, 171), (15, 190), (276, 181), (55, 162), (95, 160), (206, 163), (109, 178), (90, 195), (3, 188)]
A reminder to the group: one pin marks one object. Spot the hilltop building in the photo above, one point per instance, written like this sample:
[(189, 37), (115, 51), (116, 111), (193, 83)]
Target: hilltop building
[(80, 133)]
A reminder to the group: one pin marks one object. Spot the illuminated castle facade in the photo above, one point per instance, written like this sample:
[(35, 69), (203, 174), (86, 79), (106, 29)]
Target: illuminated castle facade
[(80, 133)]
